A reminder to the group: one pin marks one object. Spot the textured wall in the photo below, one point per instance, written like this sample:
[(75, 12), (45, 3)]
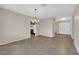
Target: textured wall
[(13, 26)]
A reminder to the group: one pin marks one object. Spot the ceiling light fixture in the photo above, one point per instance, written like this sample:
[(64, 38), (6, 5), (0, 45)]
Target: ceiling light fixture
[(35, 20)]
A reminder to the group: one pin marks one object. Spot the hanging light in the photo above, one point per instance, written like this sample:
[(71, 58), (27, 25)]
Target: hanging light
[(35, 20)]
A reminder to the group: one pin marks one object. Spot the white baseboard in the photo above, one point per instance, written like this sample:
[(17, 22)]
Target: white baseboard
[(76, 46)]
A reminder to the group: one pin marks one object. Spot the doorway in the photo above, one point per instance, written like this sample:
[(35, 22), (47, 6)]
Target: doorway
[(65, 27), (32, 29)]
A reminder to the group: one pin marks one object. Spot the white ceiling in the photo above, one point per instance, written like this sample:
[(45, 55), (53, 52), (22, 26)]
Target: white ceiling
[(44, 11)]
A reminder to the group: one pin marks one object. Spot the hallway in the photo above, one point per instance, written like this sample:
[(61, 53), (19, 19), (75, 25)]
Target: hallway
[(59, 45)]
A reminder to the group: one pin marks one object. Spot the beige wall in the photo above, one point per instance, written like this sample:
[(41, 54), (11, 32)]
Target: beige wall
[(13, 26), (47, 27), (76, 28), (56, 27)]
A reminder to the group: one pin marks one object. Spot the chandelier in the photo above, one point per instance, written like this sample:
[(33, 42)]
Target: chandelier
[(35, 20)]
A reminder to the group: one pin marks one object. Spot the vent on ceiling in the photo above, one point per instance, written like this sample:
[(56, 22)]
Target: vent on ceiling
[(43, 5)]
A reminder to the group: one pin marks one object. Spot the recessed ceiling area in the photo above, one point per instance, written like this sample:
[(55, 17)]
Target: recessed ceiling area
[(43, 10)]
